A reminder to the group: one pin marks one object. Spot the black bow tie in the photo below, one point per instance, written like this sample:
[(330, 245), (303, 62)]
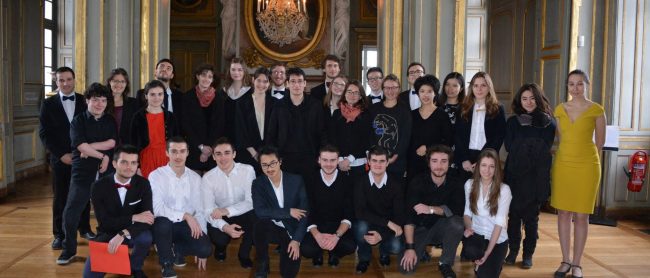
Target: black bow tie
[(375, 97), (327, 84), (127, 186), (64, 98), (275, 92), (414, 92)]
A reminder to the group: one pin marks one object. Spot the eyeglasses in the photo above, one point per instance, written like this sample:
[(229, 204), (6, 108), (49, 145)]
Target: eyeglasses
[(293, 81), (374, 79), (118, 81), (391, 88), (414, 72), (353, 93), (276, 72), (270, 165), (338, 84)]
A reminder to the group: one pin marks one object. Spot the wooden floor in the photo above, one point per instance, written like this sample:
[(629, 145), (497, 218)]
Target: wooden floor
[(25, 236)]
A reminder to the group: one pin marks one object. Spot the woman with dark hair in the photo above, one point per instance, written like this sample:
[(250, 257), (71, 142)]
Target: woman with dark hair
[(203, 121), (481, 125), (334, 95), (529, 137), (237, 85), (431, 125), (349, 129), (487, 200), (576, 168), (151, 127), (453, 93), (121, 106), (253, 114)]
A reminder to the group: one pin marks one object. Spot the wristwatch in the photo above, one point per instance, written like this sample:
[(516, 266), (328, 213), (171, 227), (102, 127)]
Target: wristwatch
[(124, 235), (338, 235), (201, 147), (431, 210)]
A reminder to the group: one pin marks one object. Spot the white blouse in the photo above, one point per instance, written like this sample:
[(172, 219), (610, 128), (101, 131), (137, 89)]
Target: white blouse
[(477, 133), (483, 223)]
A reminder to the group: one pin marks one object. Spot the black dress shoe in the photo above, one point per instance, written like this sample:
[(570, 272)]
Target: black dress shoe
[(425, 258), (384, 260), (65, 258), (57, 243), (262, 270), (511, 258), (220, 256), (362, 267), (317, 261), (333, 261), (88, 235), (245, 263), (527, 263)]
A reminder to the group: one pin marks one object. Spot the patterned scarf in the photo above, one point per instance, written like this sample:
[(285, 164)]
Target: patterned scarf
[(205, 97), (349, 112)]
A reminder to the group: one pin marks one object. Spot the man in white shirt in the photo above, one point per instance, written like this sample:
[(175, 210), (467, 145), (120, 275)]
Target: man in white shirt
[(179, 228), (374, 76), (227, 201), (410, 96), (278, 79)]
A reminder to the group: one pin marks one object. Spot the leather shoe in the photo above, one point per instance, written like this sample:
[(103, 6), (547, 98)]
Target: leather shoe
[(384, 260), (262, 270), (245, 263), (88, 235), (333, 261), (317, 261), (65, 258), (362, 267), (57, 243), (511, 258), (527, 263), (220, 256)]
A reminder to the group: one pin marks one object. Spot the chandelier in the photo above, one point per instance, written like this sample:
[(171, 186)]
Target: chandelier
[(281, 20)]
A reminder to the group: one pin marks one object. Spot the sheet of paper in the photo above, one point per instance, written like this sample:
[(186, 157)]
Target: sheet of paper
[(102, 261)]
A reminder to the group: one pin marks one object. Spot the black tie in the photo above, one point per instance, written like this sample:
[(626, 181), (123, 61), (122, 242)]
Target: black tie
[(275, 92), (64, 98), (413, 92), (375, 97)]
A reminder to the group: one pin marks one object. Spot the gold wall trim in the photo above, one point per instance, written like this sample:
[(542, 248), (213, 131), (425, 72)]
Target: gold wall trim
[(437, 65), (393, 25), (591, 54), (573, 41), (80, 45), (561, 17), (642, 85), (459, 36), (101, 40), (605, 56), (145, 60), (542, 64)]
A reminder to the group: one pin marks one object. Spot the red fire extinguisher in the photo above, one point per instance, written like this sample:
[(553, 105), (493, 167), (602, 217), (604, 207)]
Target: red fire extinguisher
[(636, 173)]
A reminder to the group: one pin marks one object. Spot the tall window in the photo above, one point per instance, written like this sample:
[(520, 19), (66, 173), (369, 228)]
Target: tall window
[(49, 44), (368, 60)]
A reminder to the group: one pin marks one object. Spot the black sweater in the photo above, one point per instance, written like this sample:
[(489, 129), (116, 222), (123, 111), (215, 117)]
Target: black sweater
[(422, 190), (302, 124), (378, 206), (436, 129), (351, 138), (391, 129), (329, 204)]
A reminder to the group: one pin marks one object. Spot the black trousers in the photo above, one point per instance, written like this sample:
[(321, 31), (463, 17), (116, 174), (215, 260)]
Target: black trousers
[(346, 245), (491, 268), (448, 231), (61, 174), (528, 216), (266, 232), (221, 239), (173, 239), (78, 198)]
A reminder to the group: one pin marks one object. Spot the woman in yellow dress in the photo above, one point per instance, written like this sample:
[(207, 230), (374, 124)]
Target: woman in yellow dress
[(576, 168)]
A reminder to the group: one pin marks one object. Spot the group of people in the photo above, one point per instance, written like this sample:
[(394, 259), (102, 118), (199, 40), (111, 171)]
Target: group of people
[(335, 170)]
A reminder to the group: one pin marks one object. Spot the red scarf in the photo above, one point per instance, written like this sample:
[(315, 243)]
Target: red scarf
[(349, 112), (205, 97)]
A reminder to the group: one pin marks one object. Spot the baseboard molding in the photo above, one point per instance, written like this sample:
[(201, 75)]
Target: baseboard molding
[(622, 213)]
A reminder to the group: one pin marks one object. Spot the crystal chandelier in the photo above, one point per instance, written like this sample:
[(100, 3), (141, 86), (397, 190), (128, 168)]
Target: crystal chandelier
[(281, 20)]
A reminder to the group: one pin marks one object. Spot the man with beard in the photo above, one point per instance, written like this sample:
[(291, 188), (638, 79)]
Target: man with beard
[(435, 203), (329, 192), (164, 72), (278, 80)]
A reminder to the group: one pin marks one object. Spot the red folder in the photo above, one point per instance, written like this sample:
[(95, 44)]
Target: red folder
[(102, 261)]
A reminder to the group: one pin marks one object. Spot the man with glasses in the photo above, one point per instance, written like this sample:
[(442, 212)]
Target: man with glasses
[(374, 76), (410, 96), (296, 126), (280, 203), (331, 67), (278, 79)]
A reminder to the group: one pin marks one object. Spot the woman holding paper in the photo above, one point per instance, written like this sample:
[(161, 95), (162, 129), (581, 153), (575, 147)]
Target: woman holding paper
[(576, 168)]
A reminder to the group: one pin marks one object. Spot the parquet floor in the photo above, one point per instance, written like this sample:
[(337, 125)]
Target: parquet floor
[(25, 236)]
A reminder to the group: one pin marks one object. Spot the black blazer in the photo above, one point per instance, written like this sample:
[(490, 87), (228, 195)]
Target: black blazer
[(177, 101), (129, 108), (265, 204), (280, 127), (318, 92), (197, 129), (140, 128), (54, 128), (404, 98), (112, 216), (495, 131), (247, 133)]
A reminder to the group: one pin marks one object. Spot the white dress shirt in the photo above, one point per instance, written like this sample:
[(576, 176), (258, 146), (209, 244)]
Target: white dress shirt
[(384, 179), (68, 105), (414, 100), (279, 194), (477, 134), (168, 91), (278, 96), (482, 222), (121, 191), (379, 94), (230, 191), (174, 196)]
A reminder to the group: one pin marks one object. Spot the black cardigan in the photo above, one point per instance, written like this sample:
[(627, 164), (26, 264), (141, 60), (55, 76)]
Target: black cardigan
[(197, 129), (140, 128), (495, 131)]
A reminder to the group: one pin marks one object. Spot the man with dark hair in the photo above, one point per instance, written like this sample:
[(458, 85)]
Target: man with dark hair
[(374, 76), (331, 67), (410, 96), (93, 135), (278, 79), (179, 228), (130, 222), (435, 203), (379, 208), (297, 126), (228, 203), (56, 114), (164, 72), (280, 203), (330, 200)]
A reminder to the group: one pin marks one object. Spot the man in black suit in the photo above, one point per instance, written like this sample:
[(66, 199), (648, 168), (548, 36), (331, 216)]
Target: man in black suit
[(410, 97), (280, 203), (278, 80), (123, 208), (56, 114), (164, 72), (374, 77), (331, 67)]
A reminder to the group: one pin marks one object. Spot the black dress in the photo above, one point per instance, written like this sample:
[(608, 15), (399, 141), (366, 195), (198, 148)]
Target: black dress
[(202, 126), (436, 129), (230, 109), (248, 133)]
